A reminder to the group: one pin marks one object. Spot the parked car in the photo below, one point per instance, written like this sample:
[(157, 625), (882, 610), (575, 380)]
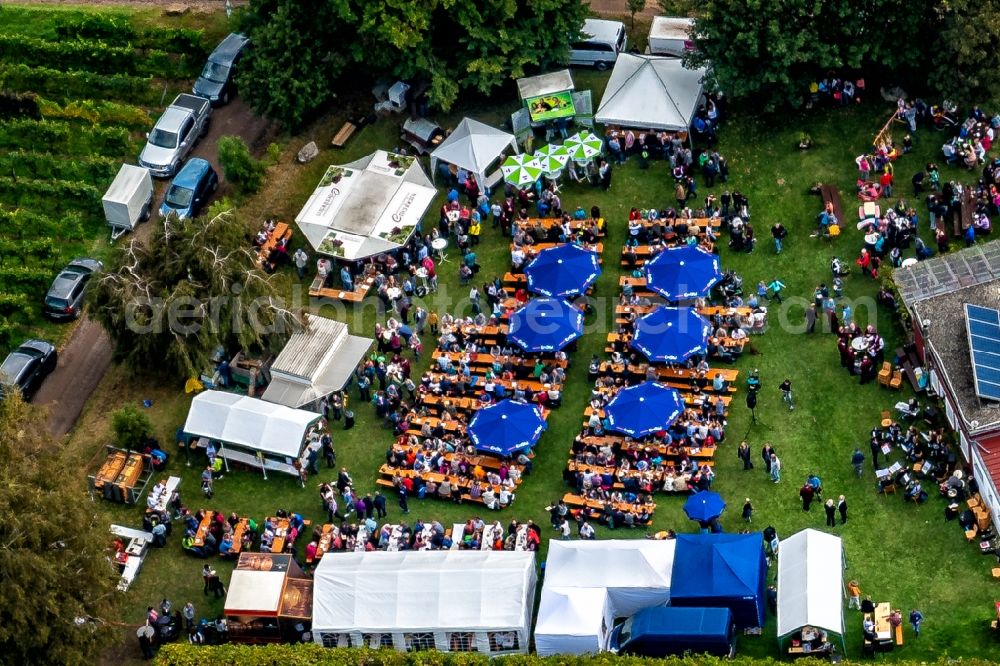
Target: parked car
[(218, 80), (174, 135), (190, 189), (64, 301), (599, 44), (27, 367)]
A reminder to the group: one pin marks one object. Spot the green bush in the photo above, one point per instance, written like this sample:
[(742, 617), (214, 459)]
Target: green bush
[(118, 30), (64, 86), (20, 224), (131, 427), (60, 136), (25, 164), (68, 192), (97, 113), (92, 55), (241, 169)]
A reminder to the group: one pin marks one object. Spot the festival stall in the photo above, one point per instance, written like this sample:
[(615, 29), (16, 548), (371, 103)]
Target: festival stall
[(317, 360), (452, 601), (250, 431), (590, 583), (550, 99), (269, 600), (810, 592), (367, 207), (722, 571), (651, 92), (475, 147)]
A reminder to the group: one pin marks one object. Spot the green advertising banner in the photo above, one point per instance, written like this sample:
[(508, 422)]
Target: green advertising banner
[(551, 107)]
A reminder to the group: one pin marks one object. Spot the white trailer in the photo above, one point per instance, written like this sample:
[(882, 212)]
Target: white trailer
[(127, 202), (670, 36)]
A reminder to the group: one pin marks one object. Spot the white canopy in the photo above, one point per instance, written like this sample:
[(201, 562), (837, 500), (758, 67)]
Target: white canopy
[(403, 593), (545, 84), (573, 620), (810, 582), (249, 423), (316, 361), (366, 207), (473, 146), (255, 592), (650, 92)]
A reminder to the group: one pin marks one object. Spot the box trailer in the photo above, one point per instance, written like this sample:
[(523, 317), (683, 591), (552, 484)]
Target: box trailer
[(127, 202)]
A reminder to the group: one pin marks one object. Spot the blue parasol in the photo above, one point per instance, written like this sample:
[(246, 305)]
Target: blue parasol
[(563, 270), (705, 506), (671, 334), (643, 409), (685, 272), (506, 427), (545, 324)]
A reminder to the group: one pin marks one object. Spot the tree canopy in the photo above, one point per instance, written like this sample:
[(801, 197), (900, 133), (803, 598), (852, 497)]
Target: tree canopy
[(455, 47), (193, 287), (59, 585)]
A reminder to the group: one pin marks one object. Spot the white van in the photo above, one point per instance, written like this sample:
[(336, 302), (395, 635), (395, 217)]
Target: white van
[(599, 45)]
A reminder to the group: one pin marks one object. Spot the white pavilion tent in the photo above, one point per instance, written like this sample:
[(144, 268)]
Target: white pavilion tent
[(473, 146), (251, 431), (366, 207), (811, 583), (590, 583), (651, 92), (449, 600)]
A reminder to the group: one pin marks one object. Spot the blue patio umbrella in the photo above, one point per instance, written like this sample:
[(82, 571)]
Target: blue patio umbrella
[(563, 270), (705, 506), (671, 334), (644, 409), (680, 273), (545, 324), (506, 427)]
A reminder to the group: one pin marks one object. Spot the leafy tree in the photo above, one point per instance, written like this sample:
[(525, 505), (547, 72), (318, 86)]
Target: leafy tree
[(766, 52), (241, 169), (131, 426), (677, 7), (58, 583), (966, 63), (167, 304), (295, 57), (634, 7)]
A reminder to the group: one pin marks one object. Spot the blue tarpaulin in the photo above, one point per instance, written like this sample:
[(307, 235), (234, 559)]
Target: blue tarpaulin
[(721, 571)]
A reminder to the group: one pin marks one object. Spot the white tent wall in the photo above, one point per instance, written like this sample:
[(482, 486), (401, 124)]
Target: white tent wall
[(473, 146), (810, 582), (453, 600), (573, 621)]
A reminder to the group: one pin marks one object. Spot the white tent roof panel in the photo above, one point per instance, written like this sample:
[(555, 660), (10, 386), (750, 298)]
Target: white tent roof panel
[(650, 92), (408, 591), (473, 146), (254, 591), (545, 84), (810, 582), (249, 422)]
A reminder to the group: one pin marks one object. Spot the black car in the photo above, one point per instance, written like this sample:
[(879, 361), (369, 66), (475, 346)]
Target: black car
[(27, 367), (217, 80), (65, 298)]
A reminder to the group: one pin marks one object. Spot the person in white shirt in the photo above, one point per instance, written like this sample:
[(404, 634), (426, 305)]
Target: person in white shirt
[(587, 531)]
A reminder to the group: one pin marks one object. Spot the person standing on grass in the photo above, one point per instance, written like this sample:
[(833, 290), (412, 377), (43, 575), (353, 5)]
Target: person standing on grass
[(811, 318), (853, 595), (747, 510), (564, 529), (778, 233), (916, 619), (744, 454), (842, 508), (786, 393), (775, 468), (831, 513), (806, 494), (301, 260), (766, 452), (858, 461), (379, 503)]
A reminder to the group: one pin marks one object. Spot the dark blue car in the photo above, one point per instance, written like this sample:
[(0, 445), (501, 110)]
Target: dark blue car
[(190, 189), (217, 80)]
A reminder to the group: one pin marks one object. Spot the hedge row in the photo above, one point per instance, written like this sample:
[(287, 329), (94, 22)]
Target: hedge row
[(27, 164), (119, 30), (97, 113), (64, 86), (69, 193), (59, 136), (21, 224), (310, 654), (95, 56)]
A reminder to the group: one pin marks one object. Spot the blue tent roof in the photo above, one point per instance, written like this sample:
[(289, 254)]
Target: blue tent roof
[(721, 571)]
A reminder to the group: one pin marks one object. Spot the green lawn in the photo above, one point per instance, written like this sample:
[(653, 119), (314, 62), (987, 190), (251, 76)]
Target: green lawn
[(895, 550)]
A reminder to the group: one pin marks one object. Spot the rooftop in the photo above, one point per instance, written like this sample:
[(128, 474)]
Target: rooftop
[(942, 275)]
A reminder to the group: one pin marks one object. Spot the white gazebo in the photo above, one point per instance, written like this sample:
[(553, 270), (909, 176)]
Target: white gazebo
[(366, 207), (473, 146), (316, 361), (811, 583), (251, 431), (651, 92)]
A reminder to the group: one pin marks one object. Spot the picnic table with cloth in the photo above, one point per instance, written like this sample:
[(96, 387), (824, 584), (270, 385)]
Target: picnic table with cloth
[(531, 251), (203, 527), (549, 222), (675, 375), (636, 256), (594, 507)]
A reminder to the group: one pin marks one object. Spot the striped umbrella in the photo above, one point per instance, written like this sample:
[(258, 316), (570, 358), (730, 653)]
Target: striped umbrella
[(583, 146), (521, 170), (552, 157)]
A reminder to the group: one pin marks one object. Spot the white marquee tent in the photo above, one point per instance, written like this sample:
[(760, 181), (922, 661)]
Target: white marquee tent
[(590, 583), (366, 207), (473, 146), (810, 583), (448, 600), (651, 92), (247, 426)]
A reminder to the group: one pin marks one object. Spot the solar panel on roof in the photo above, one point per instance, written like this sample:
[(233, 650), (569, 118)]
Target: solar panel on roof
[(983, 326)]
